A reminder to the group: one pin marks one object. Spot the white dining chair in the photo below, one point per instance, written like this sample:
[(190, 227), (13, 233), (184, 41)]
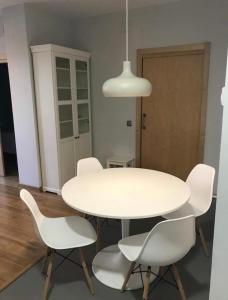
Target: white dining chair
[(85, 166), (167, 243), (60, 234), (200, 181), (88, 165)]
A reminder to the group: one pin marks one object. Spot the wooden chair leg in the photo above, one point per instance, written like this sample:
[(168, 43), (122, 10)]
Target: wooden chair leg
[(202, 238), (178, 281), (146, 284), (86, 272), (128, 276), (48, 274), (98, 230), (45, 263)]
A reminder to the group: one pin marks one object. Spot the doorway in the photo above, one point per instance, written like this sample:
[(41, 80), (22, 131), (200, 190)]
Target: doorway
[(8, 156), (171, 122)]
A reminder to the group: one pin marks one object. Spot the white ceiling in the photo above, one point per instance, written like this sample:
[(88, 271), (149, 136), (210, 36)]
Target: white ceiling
[(85, 8)]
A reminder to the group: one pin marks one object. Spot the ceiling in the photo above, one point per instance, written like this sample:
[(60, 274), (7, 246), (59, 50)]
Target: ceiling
[(85, 8)]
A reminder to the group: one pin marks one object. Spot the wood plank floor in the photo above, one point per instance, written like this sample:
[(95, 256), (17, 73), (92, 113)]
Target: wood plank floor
[(20, 249)]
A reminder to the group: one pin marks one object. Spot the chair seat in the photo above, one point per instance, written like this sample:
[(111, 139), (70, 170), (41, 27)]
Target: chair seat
[(67, 232), (186, 210), (131, 246)]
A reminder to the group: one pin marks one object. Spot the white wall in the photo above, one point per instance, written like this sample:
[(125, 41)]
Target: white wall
[(21, 84), (171, 24), (218, 288)]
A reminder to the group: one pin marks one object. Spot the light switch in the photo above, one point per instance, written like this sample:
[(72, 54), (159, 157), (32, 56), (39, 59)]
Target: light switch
[(129, 123)]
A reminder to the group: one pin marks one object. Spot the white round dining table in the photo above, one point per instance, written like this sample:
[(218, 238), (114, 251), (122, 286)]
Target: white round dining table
[(123, 193)]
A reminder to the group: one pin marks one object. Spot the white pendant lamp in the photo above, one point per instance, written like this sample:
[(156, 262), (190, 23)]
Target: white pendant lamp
[(127, 84)]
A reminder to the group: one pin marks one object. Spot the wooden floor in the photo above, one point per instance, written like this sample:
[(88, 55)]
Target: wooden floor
[(20, 249)]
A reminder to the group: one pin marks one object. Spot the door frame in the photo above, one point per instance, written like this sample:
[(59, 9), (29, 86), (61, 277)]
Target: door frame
[(202, 48), (3, 60)]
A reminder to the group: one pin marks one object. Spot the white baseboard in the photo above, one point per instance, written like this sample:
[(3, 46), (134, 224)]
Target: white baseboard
[(51, 190)]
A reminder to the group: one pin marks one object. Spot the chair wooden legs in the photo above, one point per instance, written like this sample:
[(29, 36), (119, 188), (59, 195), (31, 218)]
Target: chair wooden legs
[(202, 238), (44, 269), (86, 272), (146, 284), (98, 230), (128, 276), (48, 274), (178, 281), (48, 263)]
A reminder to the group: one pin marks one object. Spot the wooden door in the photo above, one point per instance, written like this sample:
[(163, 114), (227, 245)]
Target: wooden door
[(173, 117)]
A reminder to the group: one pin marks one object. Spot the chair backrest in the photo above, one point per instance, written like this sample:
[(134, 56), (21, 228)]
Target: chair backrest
[(168, 242), (38, 217), (201, 181), (88, 165)]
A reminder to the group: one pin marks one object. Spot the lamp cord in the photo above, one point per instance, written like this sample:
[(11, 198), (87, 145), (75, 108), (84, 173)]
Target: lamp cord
[(126, 30)]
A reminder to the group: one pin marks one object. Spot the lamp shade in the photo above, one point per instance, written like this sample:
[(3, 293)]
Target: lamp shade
[(127, 84)]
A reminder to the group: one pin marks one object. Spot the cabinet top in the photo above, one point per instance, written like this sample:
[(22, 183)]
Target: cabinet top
[(59, 49)]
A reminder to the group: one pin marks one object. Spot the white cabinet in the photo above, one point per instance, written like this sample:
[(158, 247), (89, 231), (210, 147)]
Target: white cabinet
[(63, 111)]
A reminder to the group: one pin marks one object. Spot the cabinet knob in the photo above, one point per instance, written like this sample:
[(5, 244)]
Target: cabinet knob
[(77, 137)]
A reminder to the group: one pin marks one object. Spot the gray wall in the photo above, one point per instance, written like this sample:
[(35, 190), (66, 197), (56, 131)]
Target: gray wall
[(27, 25), (171, 24), (20, 74), (44, 27), (2, 38), (2, 44)]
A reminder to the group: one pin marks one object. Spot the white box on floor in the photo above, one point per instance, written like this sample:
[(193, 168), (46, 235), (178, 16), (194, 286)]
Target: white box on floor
[(120, 162)]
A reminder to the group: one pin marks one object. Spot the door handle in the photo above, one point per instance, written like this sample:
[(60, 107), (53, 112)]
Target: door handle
[(144, 121)]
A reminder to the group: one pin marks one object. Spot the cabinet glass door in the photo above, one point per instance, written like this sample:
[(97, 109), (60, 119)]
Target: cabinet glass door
[(63, 78), (83, 118), (66, 121), (65, 110), (81, 79)]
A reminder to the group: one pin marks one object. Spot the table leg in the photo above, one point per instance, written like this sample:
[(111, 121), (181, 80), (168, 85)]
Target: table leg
[(111, 268), (125, 225)]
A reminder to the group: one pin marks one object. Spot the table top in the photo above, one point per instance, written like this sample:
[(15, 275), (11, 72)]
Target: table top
[(126, 193)]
